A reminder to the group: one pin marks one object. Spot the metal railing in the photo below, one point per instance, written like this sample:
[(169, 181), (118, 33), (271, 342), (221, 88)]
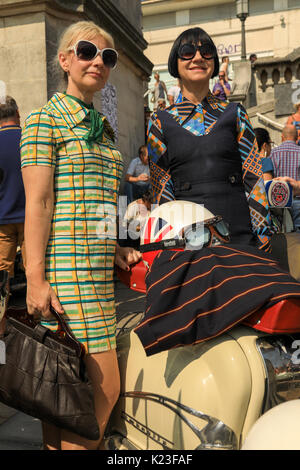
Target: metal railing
[(270, 121)]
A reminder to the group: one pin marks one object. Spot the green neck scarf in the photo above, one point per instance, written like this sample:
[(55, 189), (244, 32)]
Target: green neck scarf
[(97, 123)]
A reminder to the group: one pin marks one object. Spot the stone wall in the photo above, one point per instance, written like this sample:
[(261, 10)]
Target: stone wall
[(131, 10), (130, 108), (23, 59)]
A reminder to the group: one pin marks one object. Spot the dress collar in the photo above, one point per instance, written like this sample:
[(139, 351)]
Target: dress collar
[(71, 110), (184, 107), (74, 111)]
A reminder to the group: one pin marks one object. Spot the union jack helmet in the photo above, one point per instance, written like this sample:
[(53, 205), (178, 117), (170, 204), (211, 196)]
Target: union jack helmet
[(169, 220), (181, 225)]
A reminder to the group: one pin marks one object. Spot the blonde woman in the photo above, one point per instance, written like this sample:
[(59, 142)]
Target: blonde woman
[(71, 171)]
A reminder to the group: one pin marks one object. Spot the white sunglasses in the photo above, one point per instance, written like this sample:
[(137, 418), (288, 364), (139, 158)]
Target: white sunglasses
[(88, 51)]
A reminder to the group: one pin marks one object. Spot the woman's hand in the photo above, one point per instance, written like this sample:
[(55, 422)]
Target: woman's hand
[(125, 256), (143, 177), (294, 183), (40, 296)]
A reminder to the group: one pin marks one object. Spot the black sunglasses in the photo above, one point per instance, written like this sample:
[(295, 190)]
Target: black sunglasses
[(86, 50), (188, 51)]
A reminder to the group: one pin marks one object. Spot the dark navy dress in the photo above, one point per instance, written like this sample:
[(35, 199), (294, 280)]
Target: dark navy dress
[(208, 154)]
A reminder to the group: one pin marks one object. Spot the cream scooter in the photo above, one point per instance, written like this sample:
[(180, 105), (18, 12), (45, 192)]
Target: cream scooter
[(231, 392)]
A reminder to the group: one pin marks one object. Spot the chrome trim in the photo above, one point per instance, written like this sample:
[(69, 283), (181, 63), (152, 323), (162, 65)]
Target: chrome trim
[(117, 441), (279, 354), (127, 322), (214, 435)]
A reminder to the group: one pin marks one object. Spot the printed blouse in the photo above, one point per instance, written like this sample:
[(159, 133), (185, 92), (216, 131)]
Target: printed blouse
[(199, 120)]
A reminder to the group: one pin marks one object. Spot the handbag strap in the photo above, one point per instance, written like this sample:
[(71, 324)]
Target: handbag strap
[(67, 331), (63, 332)]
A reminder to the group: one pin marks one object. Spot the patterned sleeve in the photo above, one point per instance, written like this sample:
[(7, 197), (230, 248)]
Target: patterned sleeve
[(162, 186), (37, 143), (253, 180)]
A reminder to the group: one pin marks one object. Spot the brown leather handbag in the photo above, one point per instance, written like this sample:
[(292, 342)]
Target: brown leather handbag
[(45, 376)]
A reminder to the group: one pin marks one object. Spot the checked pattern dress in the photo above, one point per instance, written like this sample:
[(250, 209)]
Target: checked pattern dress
[(81, 250)]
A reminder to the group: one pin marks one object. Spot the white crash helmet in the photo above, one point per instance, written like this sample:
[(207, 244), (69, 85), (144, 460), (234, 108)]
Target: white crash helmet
[(182, 224)]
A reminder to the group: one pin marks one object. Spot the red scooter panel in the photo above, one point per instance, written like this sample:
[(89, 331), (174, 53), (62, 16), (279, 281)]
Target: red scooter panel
[(135, 277), (283, 317)]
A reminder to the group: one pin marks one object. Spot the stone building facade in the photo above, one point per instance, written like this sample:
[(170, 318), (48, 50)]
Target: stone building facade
[(272, 33), (277, 90), (29, 34), (271, 28)]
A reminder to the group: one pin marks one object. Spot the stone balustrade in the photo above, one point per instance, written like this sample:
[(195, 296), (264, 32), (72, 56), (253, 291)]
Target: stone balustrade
[(273, 71)]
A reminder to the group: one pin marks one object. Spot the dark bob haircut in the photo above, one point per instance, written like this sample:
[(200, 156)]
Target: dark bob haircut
[(262, 137), (193, 35)]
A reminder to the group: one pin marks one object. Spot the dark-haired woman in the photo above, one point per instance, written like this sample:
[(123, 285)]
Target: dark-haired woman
[(204, 150), (264, 148)]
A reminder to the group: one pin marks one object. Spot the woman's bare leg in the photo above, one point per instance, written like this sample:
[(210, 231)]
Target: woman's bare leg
[(103, 371), (51, 437)]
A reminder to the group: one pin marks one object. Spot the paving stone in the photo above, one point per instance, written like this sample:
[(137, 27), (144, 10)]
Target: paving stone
[(21, 432), (5, 412)]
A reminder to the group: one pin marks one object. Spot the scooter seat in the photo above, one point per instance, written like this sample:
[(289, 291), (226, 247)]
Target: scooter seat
[(282, 317)]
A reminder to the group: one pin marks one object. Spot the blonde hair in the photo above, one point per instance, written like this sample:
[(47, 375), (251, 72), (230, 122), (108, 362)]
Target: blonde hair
[(296, 105), (81, 30)]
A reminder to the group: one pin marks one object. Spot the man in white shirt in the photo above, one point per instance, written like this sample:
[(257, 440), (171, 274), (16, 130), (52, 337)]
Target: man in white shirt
[(138, 175), (173, 93), (135, 218)]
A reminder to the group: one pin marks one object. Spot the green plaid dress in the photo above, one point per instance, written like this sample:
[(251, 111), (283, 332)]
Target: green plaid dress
[(81, 247)]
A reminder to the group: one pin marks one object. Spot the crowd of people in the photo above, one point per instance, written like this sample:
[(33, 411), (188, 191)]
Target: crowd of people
[(52, 217)]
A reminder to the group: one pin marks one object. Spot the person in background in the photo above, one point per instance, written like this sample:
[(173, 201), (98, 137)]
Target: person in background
[(293, 238), (222, 88), (160, 90), (138, 175), (71, 171), (224, 66), (161, 104), (294, 183), (286, 162), (264, 146), (252, 58), (135, 218), (173, 93), (294, 120), (147, 114), (12, 196)]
